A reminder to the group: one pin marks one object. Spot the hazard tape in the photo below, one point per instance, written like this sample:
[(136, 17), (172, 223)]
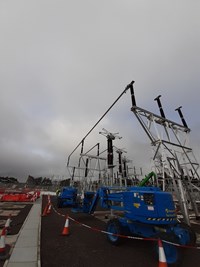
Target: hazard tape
[(122, 236), (60, 214)]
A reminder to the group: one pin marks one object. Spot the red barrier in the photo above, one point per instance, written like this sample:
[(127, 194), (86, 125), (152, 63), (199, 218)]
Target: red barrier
[(20, 197)]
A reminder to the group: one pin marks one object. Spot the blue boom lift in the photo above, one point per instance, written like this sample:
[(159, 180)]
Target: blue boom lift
[(67, 196), (145, 211)]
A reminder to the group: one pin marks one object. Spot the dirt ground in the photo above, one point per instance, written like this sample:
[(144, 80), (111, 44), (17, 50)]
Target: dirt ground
[(84, 247)]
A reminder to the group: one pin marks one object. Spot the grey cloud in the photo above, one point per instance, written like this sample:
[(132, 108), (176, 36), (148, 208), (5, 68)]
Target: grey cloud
[(63, 64)]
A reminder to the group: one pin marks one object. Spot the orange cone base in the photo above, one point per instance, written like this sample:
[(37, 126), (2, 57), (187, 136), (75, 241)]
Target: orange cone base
[(65, 231), (49, 209), (162, 264), (45, 210)]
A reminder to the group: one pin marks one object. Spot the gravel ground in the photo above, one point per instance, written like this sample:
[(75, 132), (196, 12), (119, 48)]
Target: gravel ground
[(87, 248)]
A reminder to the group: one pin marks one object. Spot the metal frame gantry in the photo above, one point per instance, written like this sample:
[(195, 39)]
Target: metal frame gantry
[(175, 163), (89, 167)]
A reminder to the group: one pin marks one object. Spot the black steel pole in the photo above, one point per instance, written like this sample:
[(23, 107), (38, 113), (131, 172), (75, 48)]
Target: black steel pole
[(86, 168), (120, 162), (110, 153), (125, 171), (98, 149), (82, 145), (132, 94), (73, 173), (160, 106), (181, 116)]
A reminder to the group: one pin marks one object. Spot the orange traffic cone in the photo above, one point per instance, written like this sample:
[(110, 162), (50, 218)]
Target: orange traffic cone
[(45, 210), (7, 224), (66, 227), (2, 244), (49, 208), (162, 258)]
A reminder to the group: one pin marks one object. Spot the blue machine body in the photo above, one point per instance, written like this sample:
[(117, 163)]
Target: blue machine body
[(149, 205), (67, 196), (143, 204), (143, 211)]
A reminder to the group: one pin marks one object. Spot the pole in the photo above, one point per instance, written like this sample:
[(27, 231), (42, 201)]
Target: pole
[(160, 106), (181, 116)]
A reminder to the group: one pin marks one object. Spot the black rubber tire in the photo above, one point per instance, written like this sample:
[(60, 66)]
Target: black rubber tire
[(192, 234), (114, 226)]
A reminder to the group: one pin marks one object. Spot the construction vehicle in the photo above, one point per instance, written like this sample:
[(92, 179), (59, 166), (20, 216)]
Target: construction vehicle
[(67, 196), (142, 211)]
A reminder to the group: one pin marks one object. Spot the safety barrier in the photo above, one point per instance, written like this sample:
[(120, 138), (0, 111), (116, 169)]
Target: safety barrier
[(30, 196)]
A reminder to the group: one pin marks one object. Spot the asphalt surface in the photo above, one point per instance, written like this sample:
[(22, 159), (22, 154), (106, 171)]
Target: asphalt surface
[(85, 247)]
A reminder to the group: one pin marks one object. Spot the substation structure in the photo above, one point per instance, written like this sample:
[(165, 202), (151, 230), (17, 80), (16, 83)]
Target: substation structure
[(174, 162)]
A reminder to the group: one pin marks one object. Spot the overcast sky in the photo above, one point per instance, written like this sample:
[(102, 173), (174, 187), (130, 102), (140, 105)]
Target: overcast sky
[(63, 63)]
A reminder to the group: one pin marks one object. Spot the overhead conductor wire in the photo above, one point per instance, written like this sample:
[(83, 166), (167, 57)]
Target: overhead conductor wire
[(82, 141)]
